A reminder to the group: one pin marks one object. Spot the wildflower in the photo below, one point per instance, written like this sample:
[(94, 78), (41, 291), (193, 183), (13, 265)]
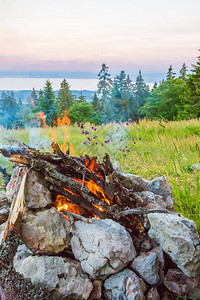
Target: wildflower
[(84, 143), (124, 155), (139, 139)]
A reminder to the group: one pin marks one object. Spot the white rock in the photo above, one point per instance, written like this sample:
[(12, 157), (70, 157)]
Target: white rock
[(103, 247), (45, 232), (161, 187), (151, 200), (125, 285), (178, 237), (57, 274)]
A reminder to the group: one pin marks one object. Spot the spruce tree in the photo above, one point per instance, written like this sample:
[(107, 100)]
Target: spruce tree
[(34, 97), (96, 103), (47, 102), (65, 98), (104, 86), (170, 73), (183, 72)]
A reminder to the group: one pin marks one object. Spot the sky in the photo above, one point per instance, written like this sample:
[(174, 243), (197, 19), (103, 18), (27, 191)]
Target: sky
[(80, 35)]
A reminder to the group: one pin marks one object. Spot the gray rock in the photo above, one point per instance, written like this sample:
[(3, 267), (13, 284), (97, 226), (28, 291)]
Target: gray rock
[(178, 237), (103, 247), (2, 227), (146, 246), (151, 200), (178, 283), (59, 275), (161, 187), (146, 265), (125, 285), (45, 232), (22, 253), (153, 294), (36, 194)]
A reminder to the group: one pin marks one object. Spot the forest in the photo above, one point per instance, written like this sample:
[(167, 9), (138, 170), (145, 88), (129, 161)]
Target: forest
[(177, 97)]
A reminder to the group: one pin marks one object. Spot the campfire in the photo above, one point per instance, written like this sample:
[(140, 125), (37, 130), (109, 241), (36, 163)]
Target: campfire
[(117, 227)]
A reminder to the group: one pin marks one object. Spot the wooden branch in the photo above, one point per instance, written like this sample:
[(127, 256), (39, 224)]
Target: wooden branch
[(75, 216), (15, 215), (143, 211)]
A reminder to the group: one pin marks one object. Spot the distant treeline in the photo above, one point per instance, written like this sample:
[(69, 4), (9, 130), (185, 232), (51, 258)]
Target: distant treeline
[(118, 99)]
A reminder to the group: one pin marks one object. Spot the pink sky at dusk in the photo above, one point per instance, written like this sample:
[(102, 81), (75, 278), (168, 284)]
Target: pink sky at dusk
[(80, 35)]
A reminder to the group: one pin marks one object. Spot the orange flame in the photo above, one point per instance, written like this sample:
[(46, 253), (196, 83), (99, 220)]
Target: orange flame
[(65, 203), (64, 121), (42, 117)]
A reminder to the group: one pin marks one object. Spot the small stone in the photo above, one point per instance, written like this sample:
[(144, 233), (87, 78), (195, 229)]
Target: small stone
[(45, 232), (146, 265), (161, 187), (125, 285), (103, 247), (178, 283), (146, 245), (179, 238), (153, 294)]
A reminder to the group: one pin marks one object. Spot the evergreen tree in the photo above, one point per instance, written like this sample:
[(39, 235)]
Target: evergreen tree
[(154, 86), (192, 107), (183, 72), (104, 86), (47, 102), (65, 98), (96, 103), (82, 98), (140, 94), (8, 110), (34, 96), (170, 73)]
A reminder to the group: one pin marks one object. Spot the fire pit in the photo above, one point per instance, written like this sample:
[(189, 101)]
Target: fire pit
[(127, 239)]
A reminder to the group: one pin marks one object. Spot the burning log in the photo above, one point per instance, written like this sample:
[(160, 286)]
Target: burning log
[(84, 182)]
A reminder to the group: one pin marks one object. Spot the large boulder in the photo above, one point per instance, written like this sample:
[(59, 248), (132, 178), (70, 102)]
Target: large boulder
[(103, 247), (179, 238), (59, 275), (45, 232), (125, 285), (161, 187), (13, 186)]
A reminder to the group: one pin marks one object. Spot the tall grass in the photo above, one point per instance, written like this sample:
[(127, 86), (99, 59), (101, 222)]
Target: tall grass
[(158, 148)]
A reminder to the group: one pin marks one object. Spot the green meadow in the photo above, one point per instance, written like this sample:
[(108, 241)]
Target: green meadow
[(148, 149)]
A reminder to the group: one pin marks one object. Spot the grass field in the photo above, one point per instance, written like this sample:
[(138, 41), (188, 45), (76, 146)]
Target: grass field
[(148, 149)]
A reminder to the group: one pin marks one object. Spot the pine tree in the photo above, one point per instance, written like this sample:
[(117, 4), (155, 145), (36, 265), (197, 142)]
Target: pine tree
[(8, 110), (65, 98), (82, 98), (47, 102), (140, 94), (104, 85), (170, 73), (34, 97), (183, 72), (96, 103)]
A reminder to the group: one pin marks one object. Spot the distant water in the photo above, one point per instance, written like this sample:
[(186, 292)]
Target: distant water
[(17, 84)]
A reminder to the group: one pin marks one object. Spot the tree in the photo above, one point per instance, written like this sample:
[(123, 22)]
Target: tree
[(166, 101), (141, 92), (8, 110), (65, 98), (192, 107), (82, 111), (170, 73), (47, 102), (183, 72), (34, 98), (104, 85), (96, 103), (82, 98)]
